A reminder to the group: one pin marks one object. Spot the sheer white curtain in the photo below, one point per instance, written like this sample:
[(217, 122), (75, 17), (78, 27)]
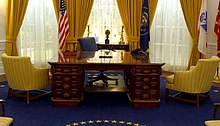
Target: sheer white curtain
[(2, 22), (105, 15), (38, 35), (2, 32), (170, 40)]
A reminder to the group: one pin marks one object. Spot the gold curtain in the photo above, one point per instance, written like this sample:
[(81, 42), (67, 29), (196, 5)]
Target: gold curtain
[(191, 12), (130, 12), (152, 9), (15, 11), (78, 12), (56, 7)]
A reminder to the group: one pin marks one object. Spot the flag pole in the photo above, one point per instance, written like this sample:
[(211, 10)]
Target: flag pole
[(217, 33)]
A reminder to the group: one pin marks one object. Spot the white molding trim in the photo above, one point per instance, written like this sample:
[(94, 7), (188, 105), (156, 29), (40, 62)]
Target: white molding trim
[(2, 41)]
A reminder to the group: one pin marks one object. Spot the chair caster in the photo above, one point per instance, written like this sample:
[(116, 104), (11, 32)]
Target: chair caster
[(90, 83)]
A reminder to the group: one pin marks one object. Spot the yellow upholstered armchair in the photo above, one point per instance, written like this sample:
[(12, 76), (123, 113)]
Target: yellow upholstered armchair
[(5, 121), (21, 75), (196, 82)]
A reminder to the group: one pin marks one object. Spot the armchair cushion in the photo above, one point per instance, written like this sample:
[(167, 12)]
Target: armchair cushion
[(169, 79)]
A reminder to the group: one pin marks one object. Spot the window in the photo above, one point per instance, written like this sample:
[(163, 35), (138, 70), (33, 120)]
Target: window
[(38, 34), (105, 15), (170, 40)]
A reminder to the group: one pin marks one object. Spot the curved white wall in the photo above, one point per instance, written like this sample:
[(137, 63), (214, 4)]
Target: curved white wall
[(212, 12)]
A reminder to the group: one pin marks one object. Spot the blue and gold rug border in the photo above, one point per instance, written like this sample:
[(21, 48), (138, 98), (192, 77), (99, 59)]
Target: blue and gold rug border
[(106, 122)]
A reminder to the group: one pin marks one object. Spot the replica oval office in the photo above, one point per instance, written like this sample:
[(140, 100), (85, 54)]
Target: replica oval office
[(109, 62)]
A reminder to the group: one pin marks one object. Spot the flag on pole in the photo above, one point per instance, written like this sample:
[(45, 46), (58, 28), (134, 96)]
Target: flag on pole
[(63, 29), (217, 30), (145, 32), (203, 39)]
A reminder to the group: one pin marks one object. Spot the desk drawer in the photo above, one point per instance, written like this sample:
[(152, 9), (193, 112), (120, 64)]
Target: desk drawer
[(67, 87), (144, 87), (145, 70), (67, 69), (70, 95)]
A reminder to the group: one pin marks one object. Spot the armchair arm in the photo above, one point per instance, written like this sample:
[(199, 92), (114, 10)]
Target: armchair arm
[(41, 77), (2, 101), (182, 79), (192, 67)]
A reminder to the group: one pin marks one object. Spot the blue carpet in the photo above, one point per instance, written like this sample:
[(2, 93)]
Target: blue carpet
[(108, 107)]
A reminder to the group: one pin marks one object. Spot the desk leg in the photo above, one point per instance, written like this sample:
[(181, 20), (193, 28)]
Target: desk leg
[(126, 78)]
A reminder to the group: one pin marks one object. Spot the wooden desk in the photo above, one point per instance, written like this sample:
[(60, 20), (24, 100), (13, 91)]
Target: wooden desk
[(143, 78), (113, 46)]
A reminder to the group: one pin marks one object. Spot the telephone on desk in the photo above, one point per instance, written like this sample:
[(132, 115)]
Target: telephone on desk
[(137, 52)]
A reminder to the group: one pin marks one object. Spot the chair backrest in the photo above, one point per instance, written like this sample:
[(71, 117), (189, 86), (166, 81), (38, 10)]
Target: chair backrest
[(87, 44), (205, 71), (16, 68), (21, 74)]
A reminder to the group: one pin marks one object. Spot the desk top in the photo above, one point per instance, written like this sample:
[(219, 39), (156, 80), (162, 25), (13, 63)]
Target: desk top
[(104, 57)]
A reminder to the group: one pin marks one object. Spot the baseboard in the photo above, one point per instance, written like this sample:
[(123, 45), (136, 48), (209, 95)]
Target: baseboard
[(2, 77)]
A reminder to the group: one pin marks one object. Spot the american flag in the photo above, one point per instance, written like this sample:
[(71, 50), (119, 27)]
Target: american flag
[(63, 29)]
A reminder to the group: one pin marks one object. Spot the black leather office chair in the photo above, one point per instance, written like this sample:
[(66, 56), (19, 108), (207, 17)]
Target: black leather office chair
[(89, 44)]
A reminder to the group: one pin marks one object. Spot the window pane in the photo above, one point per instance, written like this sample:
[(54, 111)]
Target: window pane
[(105, 15), (170, 40), (38, 34)]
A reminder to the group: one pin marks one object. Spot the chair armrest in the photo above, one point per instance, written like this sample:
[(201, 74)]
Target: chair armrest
[(41, 68), (192, 67), (181, 78), (41, 76), (40, 71), (2, 101), (182, 74)]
